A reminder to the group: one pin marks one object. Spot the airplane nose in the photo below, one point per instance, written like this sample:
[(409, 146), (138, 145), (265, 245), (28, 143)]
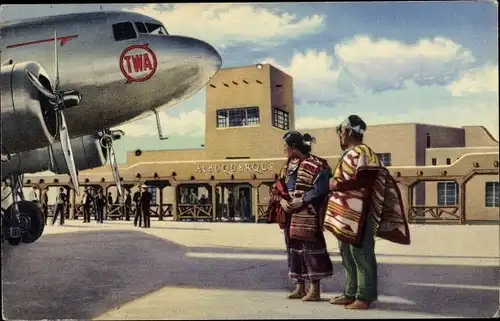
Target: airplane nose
[(210, 60)]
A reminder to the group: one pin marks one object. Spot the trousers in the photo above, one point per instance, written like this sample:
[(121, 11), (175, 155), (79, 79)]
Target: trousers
[(360, 266), (86, 213), (59, 211), (100, 214)]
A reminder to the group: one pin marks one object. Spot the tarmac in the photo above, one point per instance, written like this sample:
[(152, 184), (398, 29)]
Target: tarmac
[(194, 270)]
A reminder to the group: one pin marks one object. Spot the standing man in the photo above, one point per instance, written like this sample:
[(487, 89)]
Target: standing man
[(100, 201), (34, 195), (44, 200), (244, 207), (86, 203), (128, 205), (230, 205), (138, 212), (60, 203), (306, 178), (146, 198), (193, 198), (218, 214), (374, 209), (109, 202)]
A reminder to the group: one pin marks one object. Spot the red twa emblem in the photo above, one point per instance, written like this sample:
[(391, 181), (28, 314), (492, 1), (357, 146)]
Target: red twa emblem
[(138, 63)]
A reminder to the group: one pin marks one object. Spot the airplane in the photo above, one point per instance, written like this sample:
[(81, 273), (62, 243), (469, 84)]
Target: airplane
[(66, 80)]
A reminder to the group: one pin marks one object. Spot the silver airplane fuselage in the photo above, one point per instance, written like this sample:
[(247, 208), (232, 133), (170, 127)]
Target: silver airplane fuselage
[(120, 80)]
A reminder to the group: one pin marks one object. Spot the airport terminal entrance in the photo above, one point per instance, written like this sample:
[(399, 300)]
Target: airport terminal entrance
[(234, 202)]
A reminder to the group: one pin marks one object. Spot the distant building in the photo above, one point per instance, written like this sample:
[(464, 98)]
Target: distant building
[(248, 110)]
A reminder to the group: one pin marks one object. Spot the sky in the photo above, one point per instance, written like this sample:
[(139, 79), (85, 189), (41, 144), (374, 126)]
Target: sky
[(426, 62)]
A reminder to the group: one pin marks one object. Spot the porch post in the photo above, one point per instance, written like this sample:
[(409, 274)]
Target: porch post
[(462, 200), (160, 214), (175, 201), (214, 201)]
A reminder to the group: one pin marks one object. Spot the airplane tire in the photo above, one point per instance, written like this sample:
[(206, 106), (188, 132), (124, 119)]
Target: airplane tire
[(31, 221), (14, 242)]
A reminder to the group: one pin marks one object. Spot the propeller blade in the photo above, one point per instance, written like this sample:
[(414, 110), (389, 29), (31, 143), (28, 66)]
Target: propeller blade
[(56, 64), (114, 169), (38, 85), (68, 153)]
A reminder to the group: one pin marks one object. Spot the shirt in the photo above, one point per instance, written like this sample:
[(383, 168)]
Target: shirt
[(33, 196)]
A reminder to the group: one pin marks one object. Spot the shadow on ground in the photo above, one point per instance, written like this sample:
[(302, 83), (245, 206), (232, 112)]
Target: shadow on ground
[(84, 274)]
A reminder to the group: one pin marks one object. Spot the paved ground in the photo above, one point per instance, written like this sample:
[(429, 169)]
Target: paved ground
[(178, 270)]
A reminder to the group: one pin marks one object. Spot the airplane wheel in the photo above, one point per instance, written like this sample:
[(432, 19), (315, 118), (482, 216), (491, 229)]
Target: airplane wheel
[(31, 221), (14, 242)]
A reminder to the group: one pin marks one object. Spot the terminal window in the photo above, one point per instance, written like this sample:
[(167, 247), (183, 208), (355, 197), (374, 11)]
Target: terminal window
[(492, 194), (152, 190), (238, 117), (447, 193), (281, 119), (385, 159)]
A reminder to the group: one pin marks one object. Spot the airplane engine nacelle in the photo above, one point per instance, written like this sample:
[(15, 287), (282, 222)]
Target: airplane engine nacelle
[(28, 119), (87, 150)]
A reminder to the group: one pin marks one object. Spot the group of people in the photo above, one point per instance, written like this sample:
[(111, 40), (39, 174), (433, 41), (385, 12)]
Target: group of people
[(43, 201), (356, 201), (97, 200), (100, 202), (235, 205)]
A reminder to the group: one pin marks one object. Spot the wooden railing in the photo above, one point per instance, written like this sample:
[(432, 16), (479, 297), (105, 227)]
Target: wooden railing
[(194, 212), (165, 210), (422, 214)]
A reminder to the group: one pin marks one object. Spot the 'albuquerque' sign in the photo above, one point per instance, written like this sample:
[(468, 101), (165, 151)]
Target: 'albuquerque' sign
[(233, 168)]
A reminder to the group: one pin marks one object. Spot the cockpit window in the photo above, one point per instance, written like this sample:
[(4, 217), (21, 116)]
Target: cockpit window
[(124, 31), (156, 29), (141, 27)]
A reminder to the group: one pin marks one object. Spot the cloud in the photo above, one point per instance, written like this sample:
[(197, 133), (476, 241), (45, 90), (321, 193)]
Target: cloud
[(191, 123), (480, 80), (483, 113), (317, 77), (225, 25), (362, 64), (387, 64)]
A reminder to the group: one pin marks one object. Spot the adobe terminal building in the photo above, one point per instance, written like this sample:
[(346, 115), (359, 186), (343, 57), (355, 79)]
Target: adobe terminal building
[(449, 174)]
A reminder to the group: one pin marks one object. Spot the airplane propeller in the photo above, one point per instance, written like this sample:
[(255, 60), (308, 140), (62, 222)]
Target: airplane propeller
[(61, 101), (107, 139)]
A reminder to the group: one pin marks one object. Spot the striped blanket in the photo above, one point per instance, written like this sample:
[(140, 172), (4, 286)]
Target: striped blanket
[(275, 214), (305, 222), (347, 211)]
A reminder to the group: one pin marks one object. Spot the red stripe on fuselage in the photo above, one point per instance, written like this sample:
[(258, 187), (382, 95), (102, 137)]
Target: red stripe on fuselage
[(63, 40)]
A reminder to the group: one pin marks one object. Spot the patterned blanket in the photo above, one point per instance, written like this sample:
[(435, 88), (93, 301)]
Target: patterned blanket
[(347, 211), (305, 222), (275, 214)]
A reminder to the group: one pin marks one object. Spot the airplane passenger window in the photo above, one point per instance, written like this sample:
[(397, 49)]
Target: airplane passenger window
[(141, 27), (124, 31), (156, 29)]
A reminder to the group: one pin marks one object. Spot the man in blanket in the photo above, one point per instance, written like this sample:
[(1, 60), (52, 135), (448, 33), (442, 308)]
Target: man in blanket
[(364, 202)]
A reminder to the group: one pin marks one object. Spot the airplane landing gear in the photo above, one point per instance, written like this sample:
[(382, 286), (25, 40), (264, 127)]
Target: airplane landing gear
[(23, 220)]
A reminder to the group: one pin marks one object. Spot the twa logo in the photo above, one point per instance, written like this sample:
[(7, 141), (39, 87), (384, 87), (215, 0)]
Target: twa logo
[(138, 63)]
